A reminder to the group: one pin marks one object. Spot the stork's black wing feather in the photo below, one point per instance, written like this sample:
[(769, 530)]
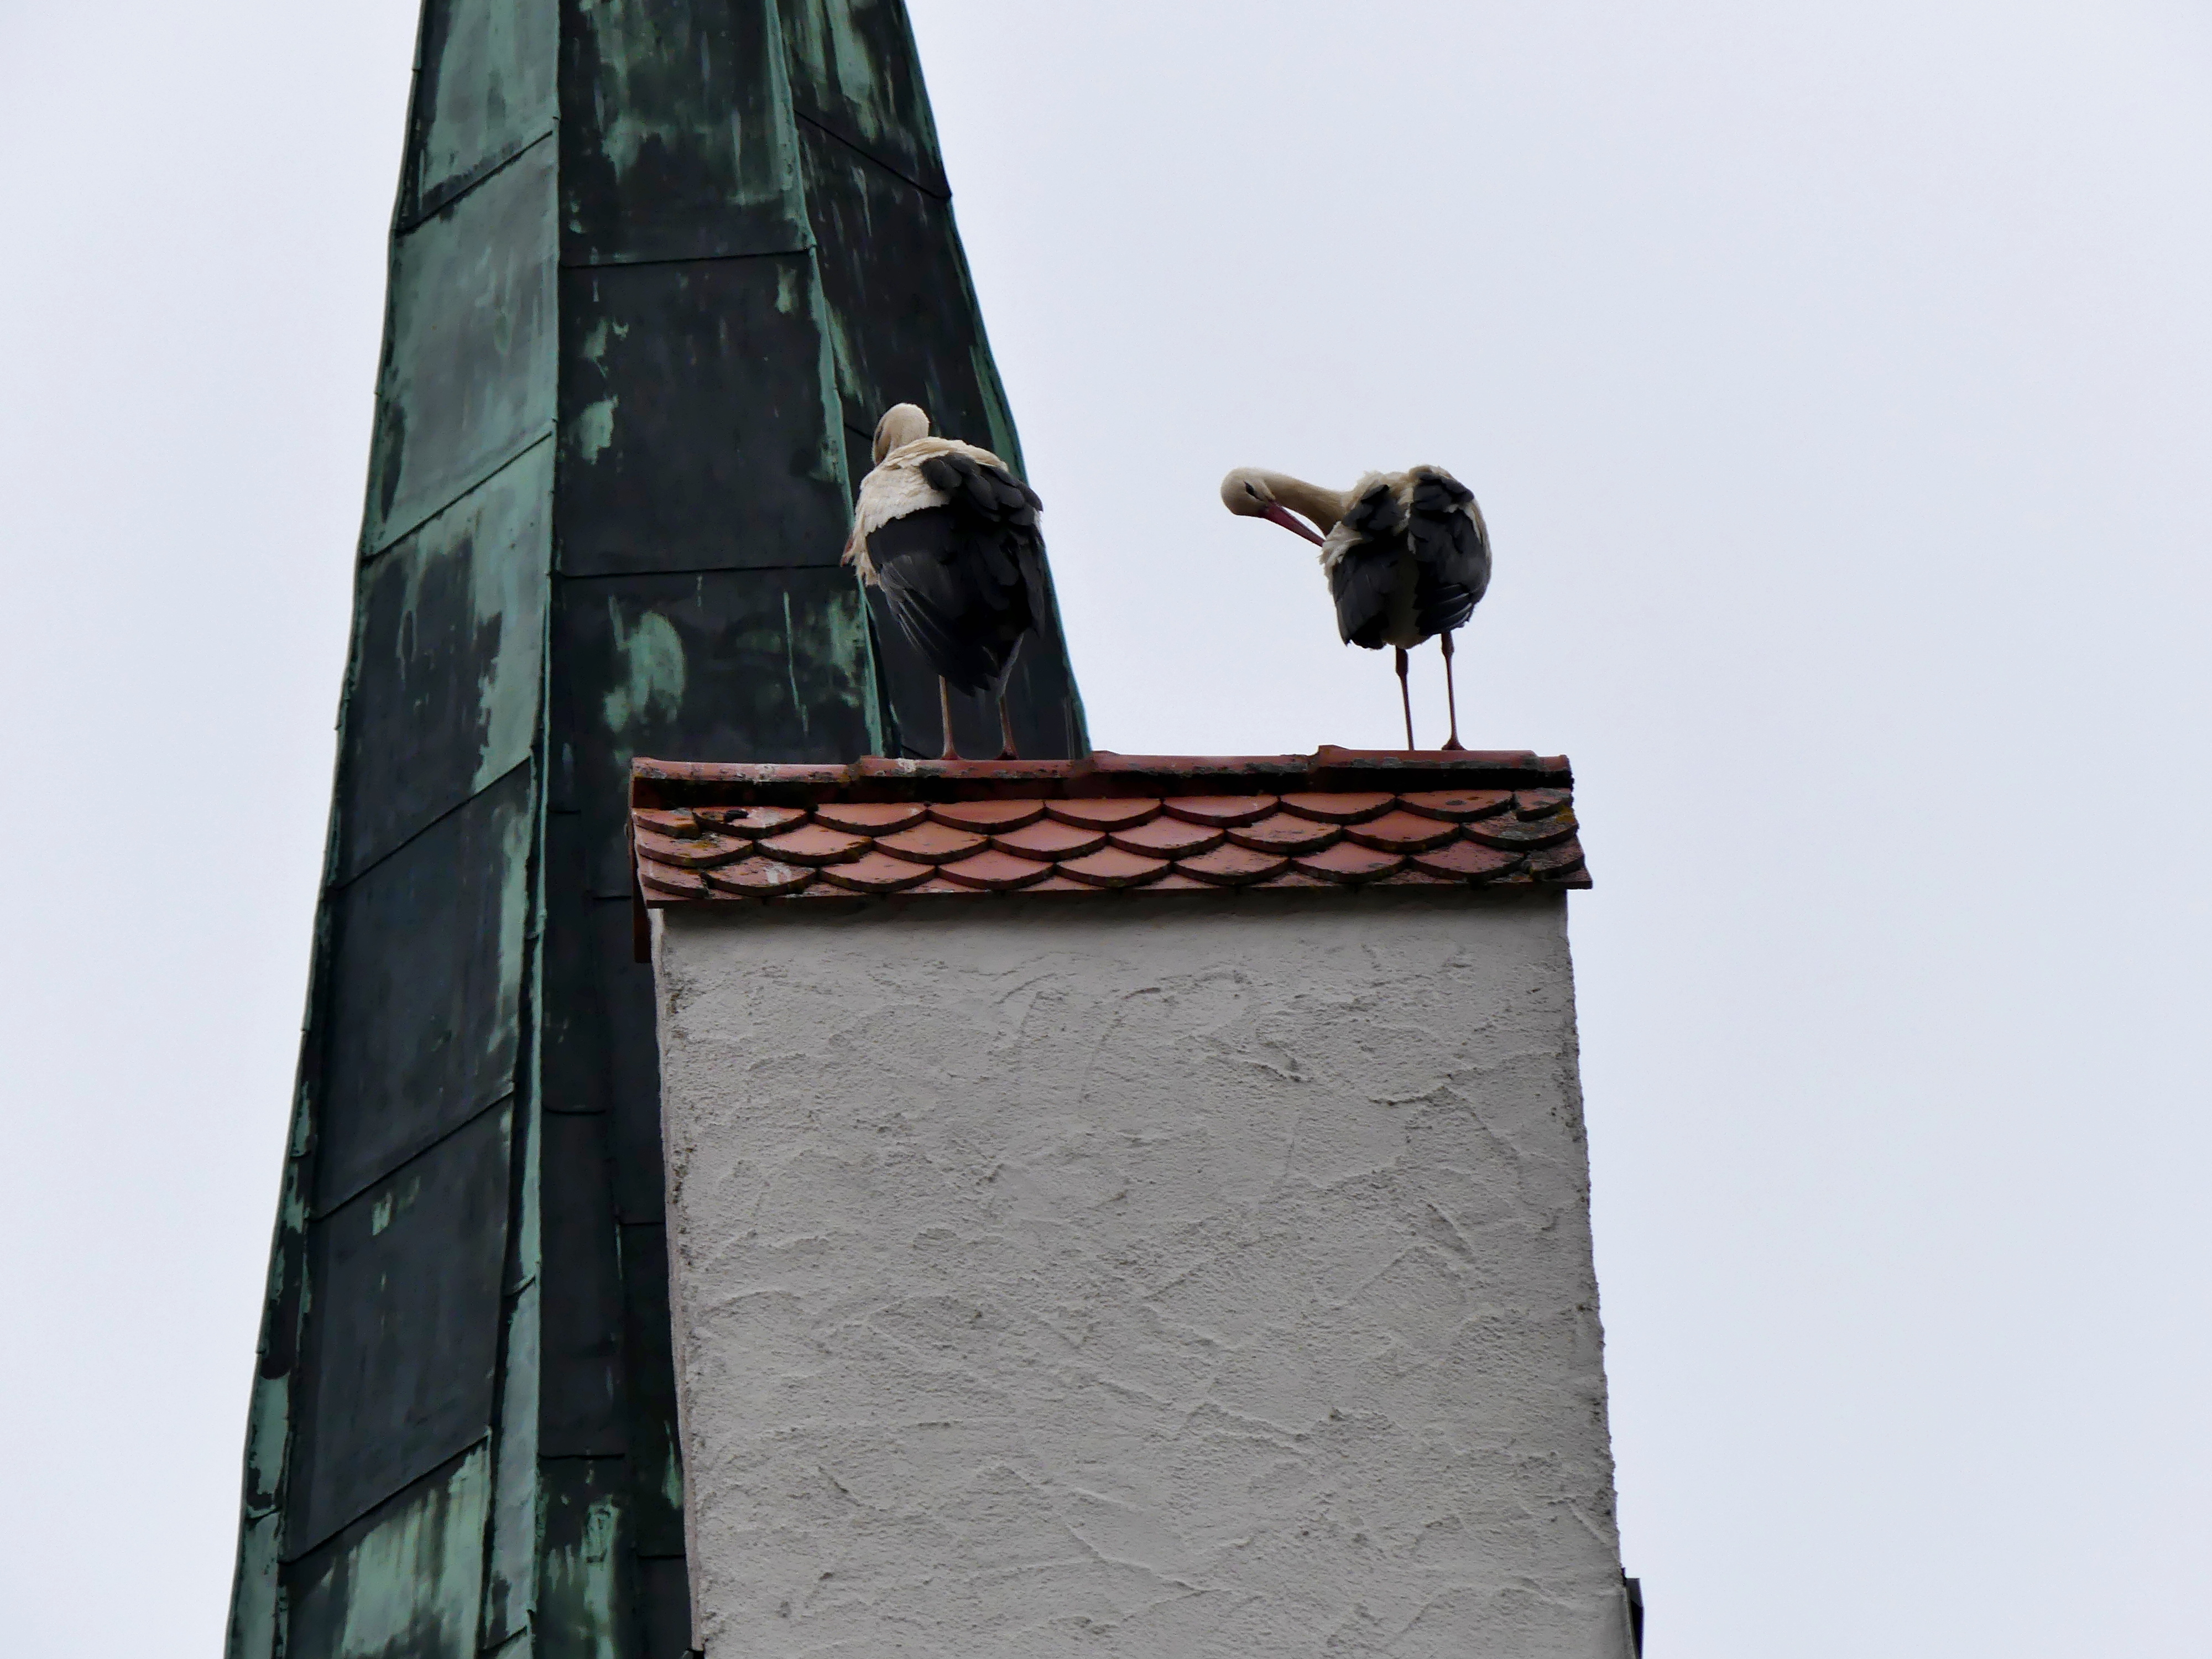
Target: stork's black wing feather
[(965, 582), (1451, 548), (1365, 574)]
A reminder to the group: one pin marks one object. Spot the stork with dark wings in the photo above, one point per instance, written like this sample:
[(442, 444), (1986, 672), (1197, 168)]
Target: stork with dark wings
[(950, 536), (1407, 555)]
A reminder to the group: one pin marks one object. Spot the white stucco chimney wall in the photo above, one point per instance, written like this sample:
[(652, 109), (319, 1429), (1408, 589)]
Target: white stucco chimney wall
[(1138, 1276)]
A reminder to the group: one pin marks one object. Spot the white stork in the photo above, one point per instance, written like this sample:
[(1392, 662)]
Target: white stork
[(1407, 555), (951, 538)]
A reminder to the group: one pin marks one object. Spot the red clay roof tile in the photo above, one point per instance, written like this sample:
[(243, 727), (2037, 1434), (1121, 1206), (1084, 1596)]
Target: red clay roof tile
[(1402, 832), (1338, 809), (758, 878), (1167, 838), (694, 851), (1456, 804), (1220, 810), (987, 815), (996, 871), (1060, 884), (750, 820), (1465, 860), (938, 885), (1282, 832), (1559, 863), (1233, 866), (680, 884), (1111, 867), (870, 818), (1349, 861), (814, 843), (1048, 838), (877, 872), (1538, 803), (1176, 882), (705, 833), (1103, 813), (1523, 835), (932, 842)]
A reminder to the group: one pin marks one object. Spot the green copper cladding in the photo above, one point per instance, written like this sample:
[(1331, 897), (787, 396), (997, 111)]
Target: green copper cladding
[(656, 266)]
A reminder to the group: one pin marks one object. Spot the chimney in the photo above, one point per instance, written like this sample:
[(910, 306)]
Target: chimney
[(1136, 1206)]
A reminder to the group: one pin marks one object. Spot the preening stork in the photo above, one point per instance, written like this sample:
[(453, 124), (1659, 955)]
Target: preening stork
[(1407, 555), (951, 538)]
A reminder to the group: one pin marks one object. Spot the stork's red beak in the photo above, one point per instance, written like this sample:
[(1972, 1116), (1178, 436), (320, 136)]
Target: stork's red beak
[(1276, 512)]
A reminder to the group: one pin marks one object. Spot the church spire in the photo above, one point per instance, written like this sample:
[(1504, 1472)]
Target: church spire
[(656, 267)]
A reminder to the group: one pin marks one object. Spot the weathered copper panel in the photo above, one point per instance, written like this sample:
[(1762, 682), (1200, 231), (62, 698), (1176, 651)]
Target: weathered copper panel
[(649, 1404), (854, 72), (423, 1018), (407, 1286), (891, 269), (579, 1394), (765, 664), (404, 1581), (680, 142), (468, 372), (484, 89), (606, 1061), (586, 1607), (695, 431), (665, 1595), (572, 1042), (448, 660)]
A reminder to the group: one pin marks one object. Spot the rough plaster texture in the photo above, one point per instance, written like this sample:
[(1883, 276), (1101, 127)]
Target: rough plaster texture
[(1146, 1278)]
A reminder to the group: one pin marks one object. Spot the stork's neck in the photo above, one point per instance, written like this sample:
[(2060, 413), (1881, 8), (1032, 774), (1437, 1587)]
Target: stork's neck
[(1323, 506)]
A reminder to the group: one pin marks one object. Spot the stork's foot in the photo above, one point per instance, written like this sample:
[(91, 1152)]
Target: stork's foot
[(1451, 695), (1007, 750), (945, 716)]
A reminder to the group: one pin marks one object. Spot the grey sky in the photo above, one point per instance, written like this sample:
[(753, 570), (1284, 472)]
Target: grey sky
[(1835, 380)]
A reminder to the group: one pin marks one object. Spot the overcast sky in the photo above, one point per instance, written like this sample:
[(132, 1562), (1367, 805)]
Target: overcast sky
[(1835, 380)]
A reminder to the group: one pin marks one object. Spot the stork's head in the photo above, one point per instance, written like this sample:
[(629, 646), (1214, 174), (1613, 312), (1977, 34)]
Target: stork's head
[(1249, 493), (902, 424)]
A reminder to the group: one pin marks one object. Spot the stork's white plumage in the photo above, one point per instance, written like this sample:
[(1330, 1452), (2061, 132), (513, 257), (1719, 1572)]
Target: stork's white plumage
[(1407, 556), (950, 537)]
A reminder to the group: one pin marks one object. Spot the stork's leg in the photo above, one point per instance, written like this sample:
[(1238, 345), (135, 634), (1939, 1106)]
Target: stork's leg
[(944, 712), (1451, 698), (1405, 694), (1006, 732)]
